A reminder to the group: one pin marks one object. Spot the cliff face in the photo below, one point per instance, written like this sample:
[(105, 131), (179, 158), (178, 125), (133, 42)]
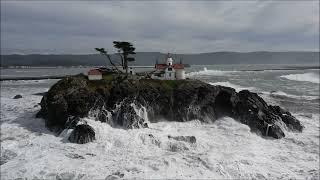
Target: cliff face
[(132, 103)]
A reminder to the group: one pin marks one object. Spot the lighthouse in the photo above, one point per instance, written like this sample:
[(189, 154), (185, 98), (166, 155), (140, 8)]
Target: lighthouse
[(169, 61), (169, 70)]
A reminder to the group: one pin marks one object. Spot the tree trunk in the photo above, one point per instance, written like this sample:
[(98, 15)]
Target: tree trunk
[(125, 63)]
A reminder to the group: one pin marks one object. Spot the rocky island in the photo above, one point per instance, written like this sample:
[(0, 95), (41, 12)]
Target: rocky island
[(134, 103)]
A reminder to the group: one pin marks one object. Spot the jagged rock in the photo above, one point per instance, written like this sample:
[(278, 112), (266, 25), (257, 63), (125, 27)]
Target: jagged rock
[(74, 156), (17, 96), (82, 134), (116, 175), (134, 103), (177, 147), (189, 139), (65, 176), (291, 122), (150, 139), (72, 122), (40, 94)]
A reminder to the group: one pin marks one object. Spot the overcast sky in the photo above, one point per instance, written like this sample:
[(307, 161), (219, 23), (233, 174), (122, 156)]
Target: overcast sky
[(76, 27)]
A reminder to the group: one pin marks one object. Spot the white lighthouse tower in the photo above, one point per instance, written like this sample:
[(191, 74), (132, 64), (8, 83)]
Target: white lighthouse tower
[(169, 61), (169, 70)]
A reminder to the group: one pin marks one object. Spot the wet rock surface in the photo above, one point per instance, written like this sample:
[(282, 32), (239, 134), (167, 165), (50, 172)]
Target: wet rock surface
[(133, 103), (18, 96), (82, 134), (189, 139)]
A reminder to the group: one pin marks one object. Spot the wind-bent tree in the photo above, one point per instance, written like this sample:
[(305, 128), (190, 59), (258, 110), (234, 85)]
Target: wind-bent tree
[(125, 49), (103, 52)]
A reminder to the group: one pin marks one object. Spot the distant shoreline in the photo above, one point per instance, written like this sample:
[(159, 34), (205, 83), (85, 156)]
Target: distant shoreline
[(60, 77), (31, 78)]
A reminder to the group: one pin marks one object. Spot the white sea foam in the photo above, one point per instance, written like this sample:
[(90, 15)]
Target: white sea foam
[(308, 77), (281, 93), (209, 72), (236, 87), (224, 149), (253, 89)]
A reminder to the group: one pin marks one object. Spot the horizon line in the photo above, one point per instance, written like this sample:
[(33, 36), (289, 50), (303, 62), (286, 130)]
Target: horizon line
[(292, 51)]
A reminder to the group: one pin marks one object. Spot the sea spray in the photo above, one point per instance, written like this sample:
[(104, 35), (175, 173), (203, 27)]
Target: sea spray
[(141, 111), (267, 131), (307, 77), (101, 114), (210, 72)]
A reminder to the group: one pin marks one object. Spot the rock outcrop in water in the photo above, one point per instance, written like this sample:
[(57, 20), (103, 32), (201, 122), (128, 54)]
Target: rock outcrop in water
[(134, 103), (17, 96), (82, 134)]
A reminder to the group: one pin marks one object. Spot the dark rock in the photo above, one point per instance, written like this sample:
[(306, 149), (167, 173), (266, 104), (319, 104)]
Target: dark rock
[(40, 94), (74, 156), (82, 134), (150, 139), (72, 122), (252, 110), (189, 139), (116, 175), (132, 103), (90, 154), (291, 122), (65, 176), (177, 147), (17, 96)]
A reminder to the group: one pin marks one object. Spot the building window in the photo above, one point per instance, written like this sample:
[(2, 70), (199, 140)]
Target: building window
[(169, 69)]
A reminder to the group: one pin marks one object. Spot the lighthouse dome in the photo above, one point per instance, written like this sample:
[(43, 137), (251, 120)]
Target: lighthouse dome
[(169, 61)]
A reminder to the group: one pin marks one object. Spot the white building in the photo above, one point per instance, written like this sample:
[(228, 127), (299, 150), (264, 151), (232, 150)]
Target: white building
[(131, 70), (94, 74), (169, 70)]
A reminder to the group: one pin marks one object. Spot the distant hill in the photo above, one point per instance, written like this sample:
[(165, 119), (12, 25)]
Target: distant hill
[(149, 58)]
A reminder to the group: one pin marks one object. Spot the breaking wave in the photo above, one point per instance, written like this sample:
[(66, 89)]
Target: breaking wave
[(225, 149), (234, 86), (309, 77), (272, 93), (281, 93), (209, 72)]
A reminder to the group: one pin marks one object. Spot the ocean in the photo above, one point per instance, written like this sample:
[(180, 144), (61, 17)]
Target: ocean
[(225, 149)]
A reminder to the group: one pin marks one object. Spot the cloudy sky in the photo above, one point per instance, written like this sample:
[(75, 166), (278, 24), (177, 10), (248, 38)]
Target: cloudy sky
[(76, 27)]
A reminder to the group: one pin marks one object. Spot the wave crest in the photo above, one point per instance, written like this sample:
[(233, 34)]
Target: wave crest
[(308, 77), (209, 72), (234, 86)]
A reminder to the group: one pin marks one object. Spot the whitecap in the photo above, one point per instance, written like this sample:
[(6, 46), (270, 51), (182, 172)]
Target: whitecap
[(308, 77), (281, 93), (235, 86), (210, 72)]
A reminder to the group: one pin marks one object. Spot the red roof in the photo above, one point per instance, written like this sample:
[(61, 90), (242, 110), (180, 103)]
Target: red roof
[(178, 66), (175, 66), (94, 72), (161, 66)]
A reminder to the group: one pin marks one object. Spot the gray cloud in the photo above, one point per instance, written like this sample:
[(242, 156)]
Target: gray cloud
[(179, 27)]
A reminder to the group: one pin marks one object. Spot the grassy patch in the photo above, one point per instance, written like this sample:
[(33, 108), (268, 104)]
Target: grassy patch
[(107, 77), (167, 84)]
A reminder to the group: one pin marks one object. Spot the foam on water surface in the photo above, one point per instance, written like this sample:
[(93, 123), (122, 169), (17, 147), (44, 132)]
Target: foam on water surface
[(236, 87), (307, 77), (210, 72), (224, 149)]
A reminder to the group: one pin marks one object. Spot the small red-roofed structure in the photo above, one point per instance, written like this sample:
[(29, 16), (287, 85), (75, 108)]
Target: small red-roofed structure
[(169, 71), (94, 74)]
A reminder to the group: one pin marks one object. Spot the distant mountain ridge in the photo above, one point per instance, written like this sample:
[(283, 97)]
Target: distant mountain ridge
[(149, 58)]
